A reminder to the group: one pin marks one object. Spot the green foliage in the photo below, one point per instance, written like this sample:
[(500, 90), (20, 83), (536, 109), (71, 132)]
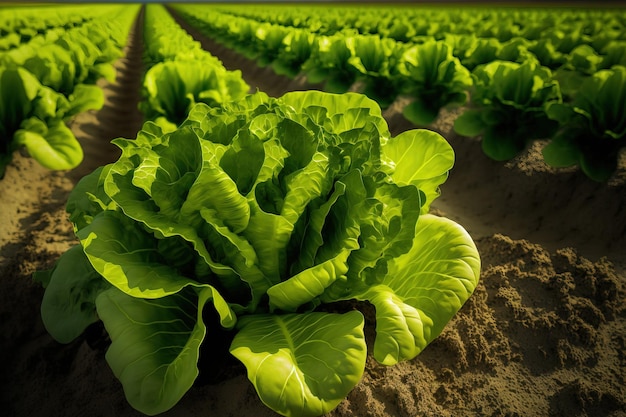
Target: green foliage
[(509, 103), (31, 115), (264, 210), (50, 77), (593, 125), (435, 78), (172, 88)]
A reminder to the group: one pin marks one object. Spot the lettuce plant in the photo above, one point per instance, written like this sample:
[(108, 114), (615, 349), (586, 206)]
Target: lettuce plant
[(377, 60), (267, 211), (435, 78), (509, 103), (330, 63), (297, 48), (171, 88), (592, 126)]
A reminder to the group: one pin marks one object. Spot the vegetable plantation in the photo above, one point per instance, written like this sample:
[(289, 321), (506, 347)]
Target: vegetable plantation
[(338, 210)]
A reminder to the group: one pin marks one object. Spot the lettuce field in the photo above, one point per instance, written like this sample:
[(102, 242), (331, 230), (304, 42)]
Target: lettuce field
[(312, 209)]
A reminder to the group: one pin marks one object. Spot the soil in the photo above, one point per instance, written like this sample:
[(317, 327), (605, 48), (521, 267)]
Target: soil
[(544, 333)]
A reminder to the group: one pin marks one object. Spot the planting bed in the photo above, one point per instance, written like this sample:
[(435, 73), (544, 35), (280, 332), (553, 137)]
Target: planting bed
[(543, 334)]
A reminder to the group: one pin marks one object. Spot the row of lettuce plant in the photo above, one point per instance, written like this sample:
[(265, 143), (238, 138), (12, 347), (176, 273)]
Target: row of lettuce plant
[(386, 68), (515, 103), (260, 217), (440, 73), (180, 73), (47, 81), (550, 34), (19, 25), (409, 24)]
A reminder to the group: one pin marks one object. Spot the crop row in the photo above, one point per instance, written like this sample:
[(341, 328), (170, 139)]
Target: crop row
[(21, 24), (516, 90), (180, 73), (49, 79), (411, 24)]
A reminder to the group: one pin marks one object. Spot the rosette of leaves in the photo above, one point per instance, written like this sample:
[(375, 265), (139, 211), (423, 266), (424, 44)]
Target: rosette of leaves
[(330, 63), (580, 64), (267, 212), (296, 50), (477, 51), (592, 126), (434, 78), (171, 88), (269, 42), (377, 60), (508, 107)]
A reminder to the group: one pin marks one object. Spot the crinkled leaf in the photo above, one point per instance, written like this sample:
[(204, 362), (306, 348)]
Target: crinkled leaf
[(129, 258), (339, 104)]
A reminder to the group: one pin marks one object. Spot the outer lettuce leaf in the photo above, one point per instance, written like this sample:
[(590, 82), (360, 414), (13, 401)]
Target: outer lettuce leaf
[(302, 364), (155, 343), (69, 303), (53, 145), (129, 257), (423, 289), (421, 158)]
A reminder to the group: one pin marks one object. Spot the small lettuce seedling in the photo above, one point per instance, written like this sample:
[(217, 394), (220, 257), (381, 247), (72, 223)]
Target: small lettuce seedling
[(264, 210)]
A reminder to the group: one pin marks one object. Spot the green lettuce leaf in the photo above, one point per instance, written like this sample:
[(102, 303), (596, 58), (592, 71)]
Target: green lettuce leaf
[(302, 364), (421, 158), (423, 289), (69, 303), (53, 145), (155, 343)]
